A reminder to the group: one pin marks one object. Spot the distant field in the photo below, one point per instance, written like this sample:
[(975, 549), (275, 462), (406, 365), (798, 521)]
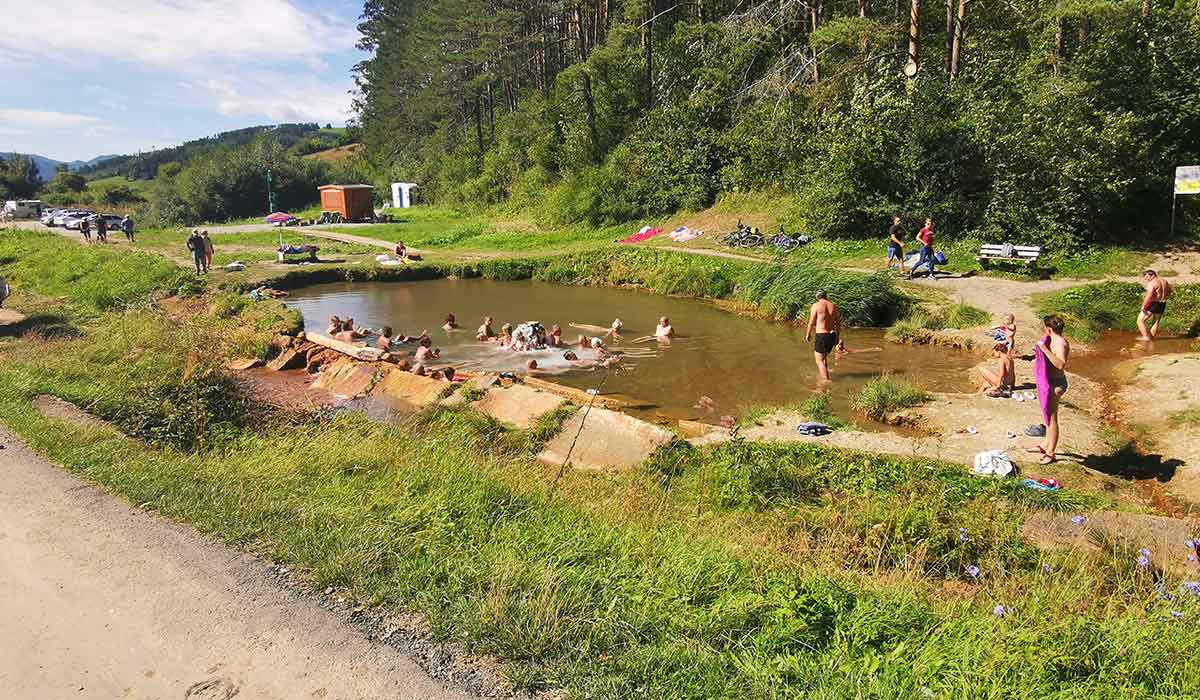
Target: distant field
[(333, 155), (135, 185)]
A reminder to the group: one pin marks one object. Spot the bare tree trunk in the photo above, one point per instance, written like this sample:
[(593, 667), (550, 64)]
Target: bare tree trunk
[(816, 9), (479, 128), (914, 38), (589, 104), (648, 54), (1060, 46), (1085, 30), (949, 33), (1147, 8), (862, 12), (960, 30)]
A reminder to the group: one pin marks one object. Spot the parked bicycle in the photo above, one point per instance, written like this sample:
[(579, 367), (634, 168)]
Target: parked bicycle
[(743, 237)]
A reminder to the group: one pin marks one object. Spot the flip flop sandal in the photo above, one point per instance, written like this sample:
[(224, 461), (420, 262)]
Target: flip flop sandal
[(1035, 450), (1047, 459)]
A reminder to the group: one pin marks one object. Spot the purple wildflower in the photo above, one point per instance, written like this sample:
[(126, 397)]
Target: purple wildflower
[(1046, 568), (972, 571), (1190, 587), (1190, 544), (1176, 614), (962, 535), (1143, 561), (1079, 520), (999, 611), (1144, 552), (1191, 557)]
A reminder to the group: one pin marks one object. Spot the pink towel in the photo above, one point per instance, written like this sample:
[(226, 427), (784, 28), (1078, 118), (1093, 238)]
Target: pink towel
[(1041, 374), (645, 234)]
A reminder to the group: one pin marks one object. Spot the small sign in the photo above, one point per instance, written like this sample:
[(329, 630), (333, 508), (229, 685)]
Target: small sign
[(1187, 179)]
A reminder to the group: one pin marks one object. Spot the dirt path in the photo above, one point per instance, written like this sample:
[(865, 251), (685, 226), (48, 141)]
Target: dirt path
[(709, 252), (105, 601)]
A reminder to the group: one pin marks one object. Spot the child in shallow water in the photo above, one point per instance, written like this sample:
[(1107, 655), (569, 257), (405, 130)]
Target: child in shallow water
[(450, 323), (505, 338), (485, 331), (999, 383)]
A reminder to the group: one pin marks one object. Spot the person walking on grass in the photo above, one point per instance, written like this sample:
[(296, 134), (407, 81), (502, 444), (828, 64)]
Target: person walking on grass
[(1154, 304), (127, 227), (825, 320), (208, 251), (896, 244), (85, 228), (101, 229), (1050, 364), (925, 238), (195, 243)]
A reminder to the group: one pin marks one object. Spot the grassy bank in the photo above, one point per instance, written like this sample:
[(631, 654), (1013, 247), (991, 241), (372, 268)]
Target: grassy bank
[(1092, 309), (742, 571)]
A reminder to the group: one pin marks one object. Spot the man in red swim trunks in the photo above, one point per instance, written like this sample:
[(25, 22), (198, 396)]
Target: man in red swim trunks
[(1154, 304), (826, 321)]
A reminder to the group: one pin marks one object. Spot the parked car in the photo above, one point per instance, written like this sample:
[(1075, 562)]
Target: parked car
[(71, 221), (48, 217), (112, 222)]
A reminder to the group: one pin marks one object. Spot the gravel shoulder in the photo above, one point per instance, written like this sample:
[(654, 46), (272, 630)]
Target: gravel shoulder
[(106, 601)]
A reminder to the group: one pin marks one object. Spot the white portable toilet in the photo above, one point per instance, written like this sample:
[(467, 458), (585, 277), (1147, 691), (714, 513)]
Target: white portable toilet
[(401, 194)]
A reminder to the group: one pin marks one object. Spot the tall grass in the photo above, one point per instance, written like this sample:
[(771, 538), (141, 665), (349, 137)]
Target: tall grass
[(884, 395), (96, 277)]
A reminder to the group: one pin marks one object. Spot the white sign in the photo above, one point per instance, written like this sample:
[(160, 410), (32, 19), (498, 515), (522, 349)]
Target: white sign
[(1187, 179)]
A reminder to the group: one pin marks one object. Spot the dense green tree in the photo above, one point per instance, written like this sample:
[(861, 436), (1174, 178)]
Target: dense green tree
[(19, 178), (1059, 121)]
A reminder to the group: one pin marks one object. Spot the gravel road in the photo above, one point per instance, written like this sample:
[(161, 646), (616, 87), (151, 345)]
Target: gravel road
[(102, 600)]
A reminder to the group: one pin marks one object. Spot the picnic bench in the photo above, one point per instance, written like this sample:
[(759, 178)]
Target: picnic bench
[(1007, 252)]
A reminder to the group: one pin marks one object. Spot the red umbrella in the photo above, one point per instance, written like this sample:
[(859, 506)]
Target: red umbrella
[(279, 217)]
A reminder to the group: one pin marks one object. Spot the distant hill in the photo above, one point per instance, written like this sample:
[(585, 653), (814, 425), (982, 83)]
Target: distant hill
[(48, 166), (144, 166)]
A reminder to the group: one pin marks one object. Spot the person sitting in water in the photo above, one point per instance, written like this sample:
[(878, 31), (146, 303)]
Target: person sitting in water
[(505, 338), (485, 331), (450, 323), (334, 327), (999, 384), (598, 345), (614, 330), (384, 341), (531, 367), (554, 339), (664, 328)]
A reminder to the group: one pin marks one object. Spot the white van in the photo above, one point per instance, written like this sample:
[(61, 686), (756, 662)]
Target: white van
[(22, 209)]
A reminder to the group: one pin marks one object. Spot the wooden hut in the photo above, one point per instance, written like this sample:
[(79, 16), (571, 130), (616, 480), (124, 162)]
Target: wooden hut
[(352, 202)]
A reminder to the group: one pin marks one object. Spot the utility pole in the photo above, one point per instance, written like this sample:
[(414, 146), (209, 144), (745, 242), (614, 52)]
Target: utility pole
[(270, 194)]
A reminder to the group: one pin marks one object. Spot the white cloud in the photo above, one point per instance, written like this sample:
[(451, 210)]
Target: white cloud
[(170, 33), (38, 119), (302, 102)]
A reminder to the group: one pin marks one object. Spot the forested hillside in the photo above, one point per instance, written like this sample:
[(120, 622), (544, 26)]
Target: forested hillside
[(144, 166), (1055, 121)]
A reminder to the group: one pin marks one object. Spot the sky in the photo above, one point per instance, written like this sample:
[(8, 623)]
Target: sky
[(84, 78)]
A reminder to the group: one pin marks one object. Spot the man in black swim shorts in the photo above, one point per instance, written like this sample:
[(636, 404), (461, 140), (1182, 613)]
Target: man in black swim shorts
[(826, 321), (1154, 305)]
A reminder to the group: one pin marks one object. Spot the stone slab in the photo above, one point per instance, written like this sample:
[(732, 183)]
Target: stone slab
[(609, 440), (409, 389), (358, 352), (242, 364), (481, 382), (346, 378), (518, 405), (289, 358)]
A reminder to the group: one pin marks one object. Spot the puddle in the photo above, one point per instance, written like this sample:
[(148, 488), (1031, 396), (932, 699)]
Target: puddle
[(738, 362)]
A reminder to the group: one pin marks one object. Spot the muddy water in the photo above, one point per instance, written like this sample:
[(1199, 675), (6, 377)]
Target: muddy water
[(738, 362)]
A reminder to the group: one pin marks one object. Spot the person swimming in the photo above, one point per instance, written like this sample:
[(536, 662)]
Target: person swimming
[(576, 361), (664, 329), (613, 330), (450, 324)]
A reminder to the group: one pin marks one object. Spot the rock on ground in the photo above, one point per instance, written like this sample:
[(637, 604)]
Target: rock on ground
[(604, 439)]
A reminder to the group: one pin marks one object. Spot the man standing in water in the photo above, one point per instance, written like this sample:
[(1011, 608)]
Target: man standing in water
[(826, 321), (1154, 304)]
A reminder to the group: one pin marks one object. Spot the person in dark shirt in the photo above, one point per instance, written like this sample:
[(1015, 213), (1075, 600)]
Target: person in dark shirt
[(127, 227), (195, 243), (896, 244)]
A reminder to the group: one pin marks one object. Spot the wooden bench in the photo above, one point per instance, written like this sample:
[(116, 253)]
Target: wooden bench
[(1005, 252)]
